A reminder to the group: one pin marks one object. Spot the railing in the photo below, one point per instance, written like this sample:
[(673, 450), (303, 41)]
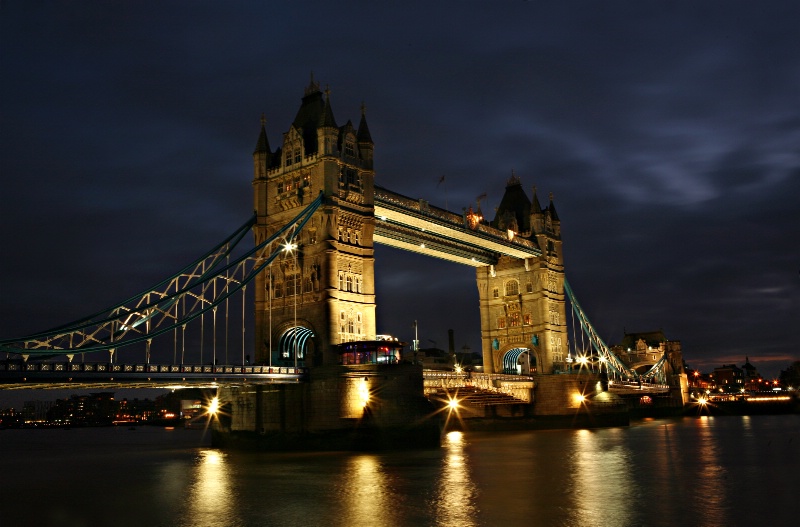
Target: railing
[(103, 368), (518, 387)]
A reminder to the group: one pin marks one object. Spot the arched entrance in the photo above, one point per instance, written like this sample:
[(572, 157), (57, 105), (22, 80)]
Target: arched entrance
[(519, 361), (297, 339)]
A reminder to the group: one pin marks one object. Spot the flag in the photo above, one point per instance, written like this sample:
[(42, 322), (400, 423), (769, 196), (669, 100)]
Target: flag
[(481, 197), (441, 180)]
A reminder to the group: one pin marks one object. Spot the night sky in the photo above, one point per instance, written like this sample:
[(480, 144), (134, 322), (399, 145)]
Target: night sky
[(668, 132)]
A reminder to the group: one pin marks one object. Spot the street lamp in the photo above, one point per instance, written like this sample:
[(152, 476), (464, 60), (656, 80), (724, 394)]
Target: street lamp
[(292, 248)]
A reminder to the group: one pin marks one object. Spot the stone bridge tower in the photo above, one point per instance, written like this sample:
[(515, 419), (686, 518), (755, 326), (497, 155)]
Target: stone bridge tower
[(322, 292), (523, 320)]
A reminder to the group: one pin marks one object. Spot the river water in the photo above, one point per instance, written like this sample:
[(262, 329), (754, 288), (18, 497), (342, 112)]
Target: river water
[(696, 471)]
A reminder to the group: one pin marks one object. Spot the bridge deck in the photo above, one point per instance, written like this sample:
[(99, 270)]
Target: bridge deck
[(416, 226), (90, 375)]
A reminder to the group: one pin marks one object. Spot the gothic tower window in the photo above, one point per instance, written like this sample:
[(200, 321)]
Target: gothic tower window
[(529, 287), (495, 293), (501, 322), (512, 287)]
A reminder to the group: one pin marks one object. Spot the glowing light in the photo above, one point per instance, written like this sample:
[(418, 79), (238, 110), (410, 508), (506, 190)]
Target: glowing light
[(583, 359), (603, 359), (579, 398), (213, 406), (363, 392), (289, 247), (458, 368), (452, 404), (702, 400)]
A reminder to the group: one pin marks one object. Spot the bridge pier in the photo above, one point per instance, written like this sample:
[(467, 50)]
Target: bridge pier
[(369, 407)]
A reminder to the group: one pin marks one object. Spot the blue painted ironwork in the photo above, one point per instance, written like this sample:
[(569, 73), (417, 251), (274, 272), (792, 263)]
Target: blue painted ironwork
[(200, 287)]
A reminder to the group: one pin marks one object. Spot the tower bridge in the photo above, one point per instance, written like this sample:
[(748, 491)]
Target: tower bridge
[(317, 216)]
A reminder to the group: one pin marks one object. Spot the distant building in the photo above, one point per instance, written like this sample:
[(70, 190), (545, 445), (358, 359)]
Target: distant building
[(640, 351), (94, 409), (36, 411), (752, 379), (729, 378)]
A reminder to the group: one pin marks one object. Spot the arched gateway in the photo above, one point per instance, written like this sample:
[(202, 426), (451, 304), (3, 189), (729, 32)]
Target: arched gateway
[(321, 291)]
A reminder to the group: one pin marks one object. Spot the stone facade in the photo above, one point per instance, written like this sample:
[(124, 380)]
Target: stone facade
[(326, 285), (523, 320)]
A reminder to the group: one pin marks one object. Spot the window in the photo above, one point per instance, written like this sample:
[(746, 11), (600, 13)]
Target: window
[(528, 320), (293, 284), (529, 287), (341, 280), (288, 158), (298, 156), (513, 319), (512, 287), (349, 148), (495, 293), (501, 322), (348, 283)]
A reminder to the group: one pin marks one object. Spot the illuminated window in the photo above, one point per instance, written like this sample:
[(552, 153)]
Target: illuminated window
[(501, 322), (527, 319), (513, 319)]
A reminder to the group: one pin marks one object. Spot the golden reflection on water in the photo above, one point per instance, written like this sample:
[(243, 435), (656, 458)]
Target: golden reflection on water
[(709, 485), (456, 493), (602, 482), (210, 491), (368, 494)]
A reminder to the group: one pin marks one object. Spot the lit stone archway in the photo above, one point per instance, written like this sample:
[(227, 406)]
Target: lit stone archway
[(519, 361)]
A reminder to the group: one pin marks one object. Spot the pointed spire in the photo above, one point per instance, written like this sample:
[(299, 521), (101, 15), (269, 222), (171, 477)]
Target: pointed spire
[(552, 207), (326, 119), (313, 86), (263, 143), (535, 205), (363, 135)]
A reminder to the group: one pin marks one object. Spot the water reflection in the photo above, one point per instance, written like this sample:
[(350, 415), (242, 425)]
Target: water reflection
[(709, 486), (602, 482), (210, 499), (367, 494), (456, 493)]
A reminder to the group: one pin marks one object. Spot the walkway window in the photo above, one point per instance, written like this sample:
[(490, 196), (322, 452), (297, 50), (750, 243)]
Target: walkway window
[(495, 293)]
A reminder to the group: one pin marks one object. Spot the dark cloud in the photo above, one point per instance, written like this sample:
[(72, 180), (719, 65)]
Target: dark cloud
[(668, 133)]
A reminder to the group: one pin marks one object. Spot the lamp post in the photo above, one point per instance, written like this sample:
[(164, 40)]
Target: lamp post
[(292, 248)]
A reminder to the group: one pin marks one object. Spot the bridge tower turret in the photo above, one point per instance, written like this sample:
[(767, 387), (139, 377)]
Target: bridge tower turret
[(323, 291), (523, 320)]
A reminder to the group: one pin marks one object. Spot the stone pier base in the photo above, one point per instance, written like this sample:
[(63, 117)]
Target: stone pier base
[(365, 407)]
